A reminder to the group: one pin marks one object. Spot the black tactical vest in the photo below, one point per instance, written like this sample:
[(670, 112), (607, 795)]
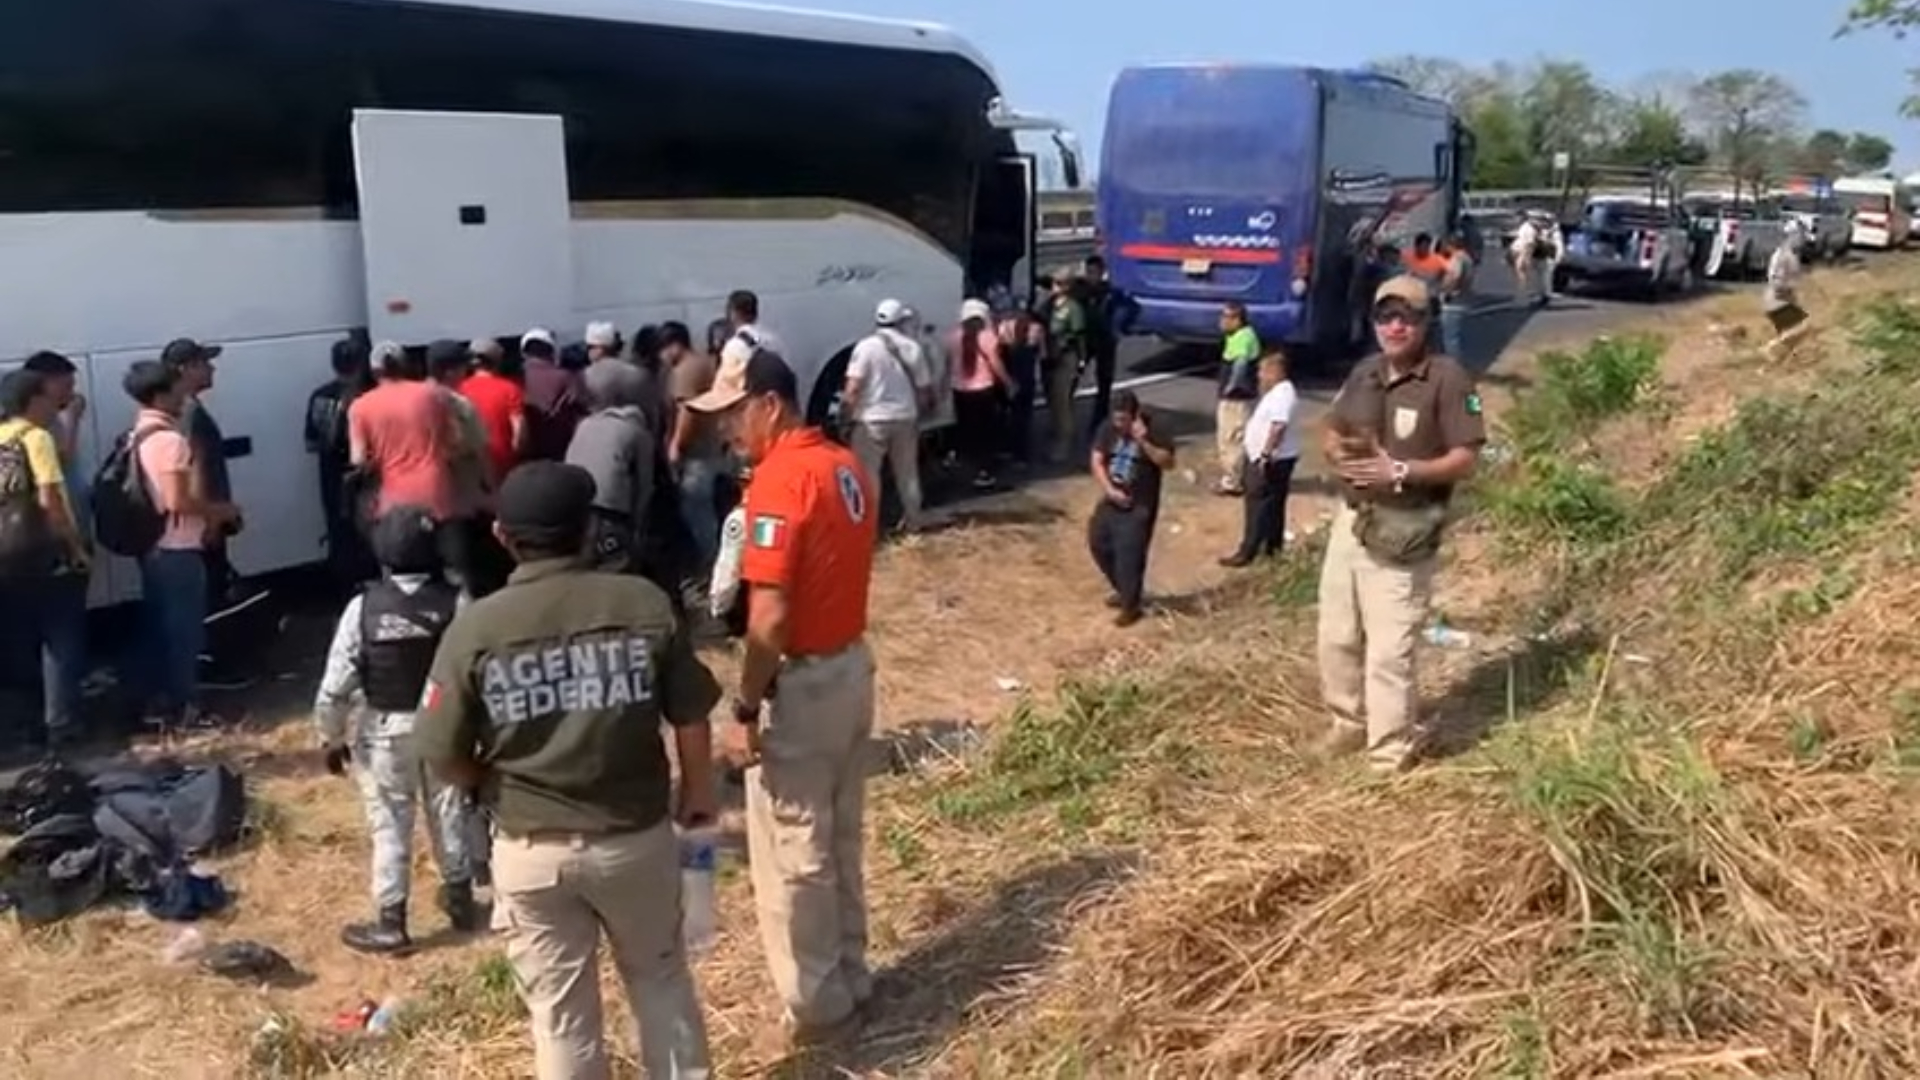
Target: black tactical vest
[(399, 632)]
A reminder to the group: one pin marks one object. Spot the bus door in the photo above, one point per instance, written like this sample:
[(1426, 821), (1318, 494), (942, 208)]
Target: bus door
[(1006, 226), (465, 223)]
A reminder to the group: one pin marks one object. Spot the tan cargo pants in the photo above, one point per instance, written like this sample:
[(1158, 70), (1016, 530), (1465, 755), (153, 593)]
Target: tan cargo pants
[(553, 898), (895, 443), (1371, 617), (1230, 419), (806, 810)]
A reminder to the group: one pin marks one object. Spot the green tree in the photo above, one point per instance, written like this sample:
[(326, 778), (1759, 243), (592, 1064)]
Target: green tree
[(1867, 153), (1648, 130), (1565, 109), (1825, 153), (1746, 117), (1504, 156)]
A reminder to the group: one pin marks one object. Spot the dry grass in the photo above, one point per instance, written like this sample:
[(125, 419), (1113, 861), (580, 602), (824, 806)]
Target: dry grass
[(1671, 857)]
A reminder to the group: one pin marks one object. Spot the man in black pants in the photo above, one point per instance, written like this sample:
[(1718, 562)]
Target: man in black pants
[(1270, 449), (1129, 458), (326, 436), (1110, 315)]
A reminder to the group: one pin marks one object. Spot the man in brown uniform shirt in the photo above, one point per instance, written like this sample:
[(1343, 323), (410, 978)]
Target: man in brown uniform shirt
[(1405, 428)]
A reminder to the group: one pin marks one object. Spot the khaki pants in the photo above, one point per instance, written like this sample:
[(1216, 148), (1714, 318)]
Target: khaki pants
[(1371, 616), (896, 443), (806, 809), (553, 898), (1063, 378), (1230, 418)]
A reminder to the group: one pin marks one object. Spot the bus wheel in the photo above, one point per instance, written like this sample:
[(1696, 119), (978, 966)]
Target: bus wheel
[(824, 407)]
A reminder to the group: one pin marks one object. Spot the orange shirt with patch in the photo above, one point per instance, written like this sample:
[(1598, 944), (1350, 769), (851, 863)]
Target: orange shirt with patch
[(812, 521)]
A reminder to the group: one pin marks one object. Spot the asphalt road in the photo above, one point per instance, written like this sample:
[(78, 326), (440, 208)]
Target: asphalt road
[(1180, 382)]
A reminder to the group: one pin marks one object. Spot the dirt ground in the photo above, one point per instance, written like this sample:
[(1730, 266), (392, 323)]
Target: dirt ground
[(965, 620)]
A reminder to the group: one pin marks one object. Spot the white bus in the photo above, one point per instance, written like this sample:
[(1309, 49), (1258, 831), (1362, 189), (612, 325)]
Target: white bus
[(1881, 207), (270, 175)]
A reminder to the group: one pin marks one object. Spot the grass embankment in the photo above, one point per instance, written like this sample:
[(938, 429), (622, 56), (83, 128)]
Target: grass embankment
[(1674, 839)]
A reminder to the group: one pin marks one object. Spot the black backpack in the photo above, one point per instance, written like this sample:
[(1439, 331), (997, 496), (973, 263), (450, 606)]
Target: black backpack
[(26, 537), (125, 519)]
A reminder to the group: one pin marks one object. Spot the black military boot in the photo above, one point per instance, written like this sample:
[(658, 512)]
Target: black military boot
[(385, 936), (457, 901)]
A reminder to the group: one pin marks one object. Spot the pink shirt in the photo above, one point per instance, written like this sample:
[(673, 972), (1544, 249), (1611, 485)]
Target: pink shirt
[(402, 428), (980, 375), (167, 450)]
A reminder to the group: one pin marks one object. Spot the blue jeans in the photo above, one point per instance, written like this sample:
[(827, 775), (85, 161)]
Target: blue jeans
[(64, 649), (699, 509), (1453, 331), (173, 632)]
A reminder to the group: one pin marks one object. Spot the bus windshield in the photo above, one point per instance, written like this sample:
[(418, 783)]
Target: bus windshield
[(1209, 133), (1200, 160), (1865, 202)]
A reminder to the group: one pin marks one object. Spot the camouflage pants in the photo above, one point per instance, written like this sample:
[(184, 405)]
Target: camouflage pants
[(392, 783)]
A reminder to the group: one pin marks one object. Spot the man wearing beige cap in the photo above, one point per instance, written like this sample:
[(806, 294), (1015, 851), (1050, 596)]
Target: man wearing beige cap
[(603, 341), (804, 710), (1404, 429)]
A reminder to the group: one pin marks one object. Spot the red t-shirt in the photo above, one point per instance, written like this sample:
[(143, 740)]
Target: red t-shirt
[(404, 428), (498, 401)]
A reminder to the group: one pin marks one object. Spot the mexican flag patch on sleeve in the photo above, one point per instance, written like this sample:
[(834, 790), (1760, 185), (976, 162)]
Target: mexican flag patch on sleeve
[(769, 532)]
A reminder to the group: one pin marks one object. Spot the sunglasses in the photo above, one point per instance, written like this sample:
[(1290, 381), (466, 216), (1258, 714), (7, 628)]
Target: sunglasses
[(1388, 314)]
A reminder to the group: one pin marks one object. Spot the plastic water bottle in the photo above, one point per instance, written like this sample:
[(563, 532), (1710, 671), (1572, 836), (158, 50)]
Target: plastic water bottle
[(699, 903), (1446, 637), (384, 1016)]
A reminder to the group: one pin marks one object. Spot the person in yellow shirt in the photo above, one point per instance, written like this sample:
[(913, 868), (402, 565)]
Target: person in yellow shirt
[(39, 539)]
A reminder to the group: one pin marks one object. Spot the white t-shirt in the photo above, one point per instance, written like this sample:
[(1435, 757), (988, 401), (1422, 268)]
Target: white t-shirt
[(1525, 238), (886, 388), (1276, 406)]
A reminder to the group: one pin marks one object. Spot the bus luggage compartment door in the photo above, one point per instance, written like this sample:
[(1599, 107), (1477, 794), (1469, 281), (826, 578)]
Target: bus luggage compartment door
[(465, 223)]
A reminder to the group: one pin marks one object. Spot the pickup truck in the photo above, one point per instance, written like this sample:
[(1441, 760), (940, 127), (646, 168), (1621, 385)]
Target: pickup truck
[(1829, 226), (1632, 242), (1740, 234)]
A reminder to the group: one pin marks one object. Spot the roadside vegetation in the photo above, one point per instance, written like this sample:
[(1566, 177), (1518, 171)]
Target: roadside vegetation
[(1663, 832)]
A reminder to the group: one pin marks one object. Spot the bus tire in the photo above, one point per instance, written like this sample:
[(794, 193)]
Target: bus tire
[(826, 393)]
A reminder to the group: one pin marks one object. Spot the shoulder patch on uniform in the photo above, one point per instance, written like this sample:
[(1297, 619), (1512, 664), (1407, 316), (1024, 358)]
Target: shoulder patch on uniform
[(769, 531), (1473, 404), (852, 495)]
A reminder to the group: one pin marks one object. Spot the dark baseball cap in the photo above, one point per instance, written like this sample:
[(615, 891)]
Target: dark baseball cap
[(545, 502), (183, 351), (403, 540), (747, 372)]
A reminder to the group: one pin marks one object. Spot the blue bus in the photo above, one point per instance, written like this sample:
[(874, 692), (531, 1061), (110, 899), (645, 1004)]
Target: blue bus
[(1272, 185)]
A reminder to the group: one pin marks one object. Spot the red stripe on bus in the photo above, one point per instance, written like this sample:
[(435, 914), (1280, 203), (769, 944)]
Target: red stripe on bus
[(1174, 253)]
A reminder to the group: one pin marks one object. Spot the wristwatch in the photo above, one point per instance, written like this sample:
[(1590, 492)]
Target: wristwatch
[(745, 712), (1399, 475)]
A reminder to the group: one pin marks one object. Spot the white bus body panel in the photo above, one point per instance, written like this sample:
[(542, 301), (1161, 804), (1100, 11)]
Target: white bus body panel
[(276, 289), (464, 222)]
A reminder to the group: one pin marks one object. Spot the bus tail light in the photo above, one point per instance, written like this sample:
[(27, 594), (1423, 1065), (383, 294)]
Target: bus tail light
[(1302, 269)]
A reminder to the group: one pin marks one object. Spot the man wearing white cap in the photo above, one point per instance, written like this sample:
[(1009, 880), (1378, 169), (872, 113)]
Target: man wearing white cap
[(888, 390), (603, 341), (555, 399)]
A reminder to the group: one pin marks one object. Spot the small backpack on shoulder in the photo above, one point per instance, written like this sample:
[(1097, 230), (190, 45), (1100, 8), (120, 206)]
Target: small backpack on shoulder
[(26, 537), (125, 519)]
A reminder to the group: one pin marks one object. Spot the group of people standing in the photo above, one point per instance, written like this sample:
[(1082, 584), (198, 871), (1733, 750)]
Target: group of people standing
[(161, 497)]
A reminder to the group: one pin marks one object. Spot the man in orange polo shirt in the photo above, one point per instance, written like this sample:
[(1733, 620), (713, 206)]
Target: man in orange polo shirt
[(812, 518)]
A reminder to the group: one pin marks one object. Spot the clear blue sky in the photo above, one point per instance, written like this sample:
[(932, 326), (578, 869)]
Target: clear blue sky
[(1060, 57)]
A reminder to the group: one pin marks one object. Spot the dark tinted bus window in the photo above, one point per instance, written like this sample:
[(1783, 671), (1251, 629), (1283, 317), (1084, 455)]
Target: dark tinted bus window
[(222, 104)]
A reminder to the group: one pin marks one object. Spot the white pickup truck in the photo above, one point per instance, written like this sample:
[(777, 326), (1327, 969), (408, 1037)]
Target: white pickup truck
[(1741, 233), (1629, 241), (1829, 226)]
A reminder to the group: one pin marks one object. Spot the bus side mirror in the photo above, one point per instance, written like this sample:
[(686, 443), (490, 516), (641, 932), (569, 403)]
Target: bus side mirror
[(1069, 159)]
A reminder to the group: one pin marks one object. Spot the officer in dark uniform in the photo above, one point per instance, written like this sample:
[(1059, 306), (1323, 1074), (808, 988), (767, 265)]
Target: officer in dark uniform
[(547, 698), (376, 671)]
